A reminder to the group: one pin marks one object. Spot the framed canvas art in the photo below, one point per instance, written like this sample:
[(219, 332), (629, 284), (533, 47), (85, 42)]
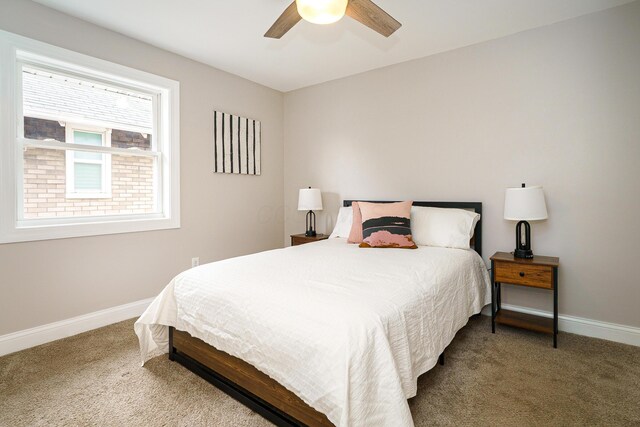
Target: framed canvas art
[(236, 143)]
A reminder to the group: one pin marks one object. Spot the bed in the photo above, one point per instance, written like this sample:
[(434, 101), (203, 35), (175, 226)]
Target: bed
[(320, 334)]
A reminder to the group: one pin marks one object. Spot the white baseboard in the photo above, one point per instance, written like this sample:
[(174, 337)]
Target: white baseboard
[(27, 338), (582, 326), (32, 337)]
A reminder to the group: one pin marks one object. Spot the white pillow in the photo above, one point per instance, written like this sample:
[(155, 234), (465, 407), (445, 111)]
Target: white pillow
[(447, 228), (343, 223)]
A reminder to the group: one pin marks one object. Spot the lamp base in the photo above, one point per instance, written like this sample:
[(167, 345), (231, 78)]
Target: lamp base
[(523, 242), (310, 222), (523, 253)]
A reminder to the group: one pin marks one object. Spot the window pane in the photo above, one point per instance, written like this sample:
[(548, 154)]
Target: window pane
[(88, 138), (51, 101), (87, 176), (46, 194)]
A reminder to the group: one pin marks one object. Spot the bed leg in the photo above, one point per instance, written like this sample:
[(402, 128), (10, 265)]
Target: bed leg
[(441, 359), (171, 349)]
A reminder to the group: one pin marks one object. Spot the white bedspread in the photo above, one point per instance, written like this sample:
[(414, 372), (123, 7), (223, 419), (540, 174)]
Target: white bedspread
[(349, 330)]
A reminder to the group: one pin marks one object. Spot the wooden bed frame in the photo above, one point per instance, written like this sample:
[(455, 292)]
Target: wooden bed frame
[(255, 389)]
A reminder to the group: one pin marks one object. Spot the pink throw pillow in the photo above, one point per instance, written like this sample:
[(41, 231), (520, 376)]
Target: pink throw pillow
[(355, 236), (386, 225)]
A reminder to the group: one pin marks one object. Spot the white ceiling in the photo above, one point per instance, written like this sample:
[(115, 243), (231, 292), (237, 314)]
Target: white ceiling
[(227, 34)]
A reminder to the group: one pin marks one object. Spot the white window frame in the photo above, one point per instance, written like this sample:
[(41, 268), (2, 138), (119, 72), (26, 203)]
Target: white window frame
[(17, 51), (70, 158)]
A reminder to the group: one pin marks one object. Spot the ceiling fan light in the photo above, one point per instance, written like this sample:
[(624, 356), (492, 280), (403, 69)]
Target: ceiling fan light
[(321, 11)]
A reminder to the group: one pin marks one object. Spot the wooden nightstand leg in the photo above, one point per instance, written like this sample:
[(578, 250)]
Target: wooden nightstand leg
[(499, 297), (555, 307), (493, 299)]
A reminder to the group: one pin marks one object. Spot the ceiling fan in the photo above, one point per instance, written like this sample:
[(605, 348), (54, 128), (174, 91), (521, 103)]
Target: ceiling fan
[(328, 11)]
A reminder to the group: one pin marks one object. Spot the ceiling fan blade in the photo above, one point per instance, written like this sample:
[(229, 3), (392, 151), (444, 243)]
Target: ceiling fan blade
[(368, 13), (284, 23)]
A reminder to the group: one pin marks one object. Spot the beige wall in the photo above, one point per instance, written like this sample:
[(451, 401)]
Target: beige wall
[(557, 106), (222, 215)]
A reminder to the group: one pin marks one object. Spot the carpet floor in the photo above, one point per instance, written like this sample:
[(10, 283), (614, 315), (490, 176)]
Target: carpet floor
[(511, 378)]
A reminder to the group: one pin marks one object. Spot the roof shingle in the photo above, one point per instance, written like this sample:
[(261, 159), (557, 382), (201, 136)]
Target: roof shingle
[(60, 97)]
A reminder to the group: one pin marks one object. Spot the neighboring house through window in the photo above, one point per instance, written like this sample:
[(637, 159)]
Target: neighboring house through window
[(95, 149)]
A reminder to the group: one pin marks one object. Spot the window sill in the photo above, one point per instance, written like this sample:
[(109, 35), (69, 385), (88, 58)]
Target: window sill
[(34, 230)]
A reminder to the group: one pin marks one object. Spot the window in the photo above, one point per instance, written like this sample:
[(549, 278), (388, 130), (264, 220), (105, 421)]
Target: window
[(87, 147), (88, 175)]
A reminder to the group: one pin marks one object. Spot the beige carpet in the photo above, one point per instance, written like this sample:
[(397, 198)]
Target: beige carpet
[(511, 378)]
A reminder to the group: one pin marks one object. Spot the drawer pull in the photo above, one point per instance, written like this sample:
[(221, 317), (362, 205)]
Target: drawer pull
[(522, 274)]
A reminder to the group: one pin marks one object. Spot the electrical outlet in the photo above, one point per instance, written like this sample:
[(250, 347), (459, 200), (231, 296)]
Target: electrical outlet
[(195, 262)]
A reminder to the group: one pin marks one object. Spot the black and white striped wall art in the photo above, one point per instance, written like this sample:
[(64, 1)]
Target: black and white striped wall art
[(236, 144)]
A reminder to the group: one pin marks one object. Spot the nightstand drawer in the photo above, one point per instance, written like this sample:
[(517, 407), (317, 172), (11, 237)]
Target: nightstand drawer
[(539, 276)]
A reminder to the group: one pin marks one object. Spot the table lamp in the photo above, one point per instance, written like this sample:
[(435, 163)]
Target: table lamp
[(310, 199), (524, 204)]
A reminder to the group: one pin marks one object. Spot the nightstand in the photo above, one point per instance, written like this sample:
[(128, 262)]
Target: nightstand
[(538, 272), (301, 239)]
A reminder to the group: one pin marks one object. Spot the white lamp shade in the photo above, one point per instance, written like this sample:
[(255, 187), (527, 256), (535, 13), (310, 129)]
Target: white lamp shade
[(524, 204), (310, 199), (321, 11)]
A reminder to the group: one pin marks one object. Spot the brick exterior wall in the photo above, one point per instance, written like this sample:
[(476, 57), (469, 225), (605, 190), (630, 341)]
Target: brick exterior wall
[(124, 139), (45, 177), (43, 129)]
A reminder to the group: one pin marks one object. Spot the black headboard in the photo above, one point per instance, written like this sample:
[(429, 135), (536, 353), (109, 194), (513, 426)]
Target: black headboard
[(476, 242)]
